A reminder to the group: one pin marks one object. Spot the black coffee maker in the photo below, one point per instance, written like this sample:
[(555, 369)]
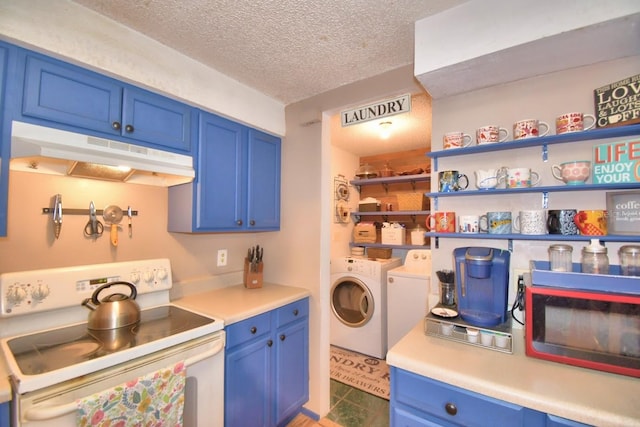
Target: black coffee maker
[(482, 285)]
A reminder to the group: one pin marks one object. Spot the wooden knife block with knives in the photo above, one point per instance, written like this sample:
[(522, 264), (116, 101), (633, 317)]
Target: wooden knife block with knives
[(253, 266)]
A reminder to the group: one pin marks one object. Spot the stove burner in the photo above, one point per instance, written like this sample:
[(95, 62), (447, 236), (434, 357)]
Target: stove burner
[(50, 350)]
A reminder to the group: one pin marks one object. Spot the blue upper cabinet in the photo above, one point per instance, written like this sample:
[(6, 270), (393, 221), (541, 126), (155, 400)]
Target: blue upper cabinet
[(263, 184), (237, 185), (8, 99), (64, 94)]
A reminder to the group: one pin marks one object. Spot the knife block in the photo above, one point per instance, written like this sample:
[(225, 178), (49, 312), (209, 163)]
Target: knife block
[(252, 279)]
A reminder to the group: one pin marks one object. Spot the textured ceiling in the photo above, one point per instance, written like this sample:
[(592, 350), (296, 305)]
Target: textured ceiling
[(289, 50)]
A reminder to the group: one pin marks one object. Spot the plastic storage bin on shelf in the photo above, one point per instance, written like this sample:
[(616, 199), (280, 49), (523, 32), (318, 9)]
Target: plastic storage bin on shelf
[(614, 282)]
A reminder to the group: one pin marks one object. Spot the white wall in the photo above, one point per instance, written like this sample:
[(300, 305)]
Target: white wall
[(542, 98), (79, 35)]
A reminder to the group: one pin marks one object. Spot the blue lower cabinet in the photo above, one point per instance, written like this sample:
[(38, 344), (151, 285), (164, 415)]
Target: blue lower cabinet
[(4, 414), (420, 401), (267, 367)]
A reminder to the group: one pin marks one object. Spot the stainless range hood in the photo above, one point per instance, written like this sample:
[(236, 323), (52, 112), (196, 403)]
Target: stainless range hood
[(52, 151)]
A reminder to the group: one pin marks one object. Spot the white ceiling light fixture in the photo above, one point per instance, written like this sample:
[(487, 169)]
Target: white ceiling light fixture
[(385, 129)]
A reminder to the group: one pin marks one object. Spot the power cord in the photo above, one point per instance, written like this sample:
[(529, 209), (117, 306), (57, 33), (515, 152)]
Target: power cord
[(519, 301)]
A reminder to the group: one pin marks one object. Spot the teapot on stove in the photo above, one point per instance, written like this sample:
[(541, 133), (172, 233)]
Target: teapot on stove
[(113, 311)]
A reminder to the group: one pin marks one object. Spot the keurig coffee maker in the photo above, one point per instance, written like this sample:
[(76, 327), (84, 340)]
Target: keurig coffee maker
[(482, 285)]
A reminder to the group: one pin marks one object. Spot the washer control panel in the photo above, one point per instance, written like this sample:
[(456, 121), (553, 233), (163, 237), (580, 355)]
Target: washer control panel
[(41, 290)]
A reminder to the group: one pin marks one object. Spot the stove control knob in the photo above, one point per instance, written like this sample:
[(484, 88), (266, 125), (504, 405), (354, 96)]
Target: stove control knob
[(40, 293), (161, 274), (148, 276), (135, 277), (16, 295)]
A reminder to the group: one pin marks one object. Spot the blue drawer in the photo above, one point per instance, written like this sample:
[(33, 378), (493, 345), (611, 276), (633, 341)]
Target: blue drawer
[(246, 330), (291, 312)]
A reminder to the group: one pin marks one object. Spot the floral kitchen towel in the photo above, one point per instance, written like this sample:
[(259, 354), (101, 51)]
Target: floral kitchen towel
[(154, 400)]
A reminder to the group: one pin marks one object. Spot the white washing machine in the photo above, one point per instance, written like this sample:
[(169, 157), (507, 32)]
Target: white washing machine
[(408, 294), (358, 304)]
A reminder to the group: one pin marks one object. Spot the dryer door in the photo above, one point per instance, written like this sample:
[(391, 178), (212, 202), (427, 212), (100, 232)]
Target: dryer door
[(351, 301)]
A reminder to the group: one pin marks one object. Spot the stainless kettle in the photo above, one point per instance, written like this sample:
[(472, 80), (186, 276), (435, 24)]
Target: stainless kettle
[(114, 311)]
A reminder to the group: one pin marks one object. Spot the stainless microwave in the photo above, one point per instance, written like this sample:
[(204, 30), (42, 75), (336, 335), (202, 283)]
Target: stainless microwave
[(597, 330)]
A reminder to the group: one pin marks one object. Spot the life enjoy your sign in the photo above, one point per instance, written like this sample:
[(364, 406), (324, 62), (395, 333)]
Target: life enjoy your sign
[(618, 162)]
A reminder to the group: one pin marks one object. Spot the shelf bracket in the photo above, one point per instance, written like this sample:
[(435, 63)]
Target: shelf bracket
[(510, 245), (413, 184), (545, 152), (437, 242), (435, 164), (386, 187), (435, 203), (545, 200), (413, 218), (385, 218)]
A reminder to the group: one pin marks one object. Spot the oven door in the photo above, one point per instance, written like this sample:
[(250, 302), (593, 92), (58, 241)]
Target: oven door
[(56, 406), (593, 330)]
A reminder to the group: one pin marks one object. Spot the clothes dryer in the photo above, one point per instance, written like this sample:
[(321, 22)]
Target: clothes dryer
[(408, 294), (359, 304)]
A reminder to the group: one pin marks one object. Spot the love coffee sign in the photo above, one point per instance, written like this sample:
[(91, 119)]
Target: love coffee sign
[(617, 162), (618, 103)]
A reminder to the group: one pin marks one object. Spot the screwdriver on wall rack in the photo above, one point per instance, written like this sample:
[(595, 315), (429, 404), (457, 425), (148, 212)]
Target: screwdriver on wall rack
[(130, 214)]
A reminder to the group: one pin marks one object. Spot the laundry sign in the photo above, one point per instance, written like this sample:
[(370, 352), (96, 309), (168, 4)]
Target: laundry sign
[(617, 162), (386, 108)]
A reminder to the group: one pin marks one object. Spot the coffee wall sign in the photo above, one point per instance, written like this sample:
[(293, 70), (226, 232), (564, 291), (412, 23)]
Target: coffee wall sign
[(386, 108), (617, 162), (623, 212), (618, 103)]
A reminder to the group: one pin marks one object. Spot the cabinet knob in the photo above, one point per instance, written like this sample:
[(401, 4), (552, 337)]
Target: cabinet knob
[(253, 329), (451, 408), (270, 343), (116, 125), (282, 337), (128, 128), (239, 222), (252, 222), (390, 279), (295, 312)]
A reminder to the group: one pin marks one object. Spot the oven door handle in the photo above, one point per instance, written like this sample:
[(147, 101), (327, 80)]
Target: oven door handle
[(48, 412)]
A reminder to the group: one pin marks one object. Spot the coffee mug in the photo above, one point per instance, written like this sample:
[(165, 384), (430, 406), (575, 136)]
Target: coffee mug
[(468, 224), (456, 140), (591, 222), (572, 173), (496, 222), (520, 178), (531, 222), (486, 179), (490, 134), (529, 128), (573, 122), (452, 181), (442, 222), (561, 222)]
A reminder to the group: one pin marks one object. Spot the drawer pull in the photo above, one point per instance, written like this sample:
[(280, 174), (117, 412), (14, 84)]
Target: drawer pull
[(269, 343), (282, 337), (128, 128), (253, 330), (295, 312), (116, 125), (451, 409)]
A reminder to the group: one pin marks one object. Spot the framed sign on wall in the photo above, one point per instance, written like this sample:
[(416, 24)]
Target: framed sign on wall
[(624, 212)]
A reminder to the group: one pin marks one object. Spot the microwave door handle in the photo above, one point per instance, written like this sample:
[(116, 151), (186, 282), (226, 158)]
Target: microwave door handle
[(48, 412), (463, 286)]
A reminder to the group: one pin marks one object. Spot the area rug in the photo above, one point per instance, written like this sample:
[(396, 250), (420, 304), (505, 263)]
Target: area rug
[(363, 372)]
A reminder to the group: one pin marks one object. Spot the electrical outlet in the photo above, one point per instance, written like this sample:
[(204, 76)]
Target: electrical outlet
[(222, 257)]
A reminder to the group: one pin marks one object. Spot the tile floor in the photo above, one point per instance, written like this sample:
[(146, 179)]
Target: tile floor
[(350, 407)]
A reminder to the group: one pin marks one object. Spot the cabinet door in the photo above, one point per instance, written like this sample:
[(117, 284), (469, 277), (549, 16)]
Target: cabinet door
[(155, 119), (247, 384), (292, 369), (69, 95), (263, 210), (220, 179), (5, 139)]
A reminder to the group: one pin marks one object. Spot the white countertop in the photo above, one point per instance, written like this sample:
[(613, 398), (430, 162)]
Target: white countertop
[(579, 394), (235, 303), (231, 304)]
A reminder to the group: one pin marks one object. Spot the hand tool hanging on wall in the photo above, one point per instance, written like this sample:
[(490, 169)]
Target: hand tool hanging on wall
[(57, 214)]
